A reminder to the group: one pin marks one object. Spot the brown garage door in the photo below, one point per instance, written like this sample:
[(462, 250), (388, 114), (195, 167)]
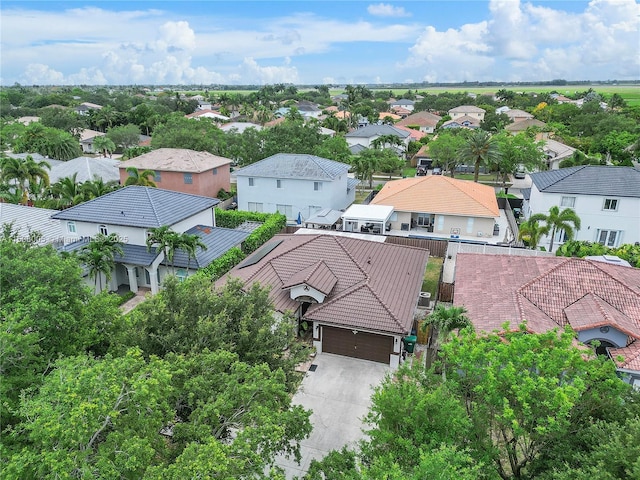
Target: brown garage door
[(367, 346)]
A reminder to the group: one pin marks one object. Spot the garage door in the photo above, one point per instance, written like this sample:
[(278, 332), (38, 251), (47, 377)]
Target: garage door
[(367, 346)]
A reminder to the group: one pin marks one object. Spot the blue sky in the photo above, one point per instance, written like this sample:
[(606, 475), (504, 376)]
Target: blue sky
[(317, 42)]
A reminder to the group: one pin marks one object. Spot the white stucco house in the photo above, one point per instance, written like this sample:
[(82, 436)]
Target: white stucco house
[(472, 111), (296, 185), (131, 213), (365, 136), (606, 198)]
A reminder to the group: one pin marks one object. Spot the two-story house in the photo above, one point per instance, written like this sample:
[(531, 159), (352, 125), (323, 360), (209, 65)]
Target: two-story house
[(424, 121), (296, 185), (131, 213), (183, 170), (606, 198), (476, 113)]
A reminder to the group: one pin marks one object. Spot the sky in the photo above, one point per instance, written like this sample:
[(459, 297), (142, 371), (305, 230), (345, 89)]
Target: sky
[(308, 42)]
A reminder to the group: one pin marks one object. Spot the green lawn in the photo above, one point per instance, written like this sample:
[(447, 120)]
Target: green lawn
[(432, 275)]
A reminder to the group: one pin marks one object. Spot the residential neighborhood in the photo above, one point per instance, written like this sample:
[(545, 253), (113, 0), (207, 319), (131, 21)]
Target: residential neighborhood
[(319, 264)]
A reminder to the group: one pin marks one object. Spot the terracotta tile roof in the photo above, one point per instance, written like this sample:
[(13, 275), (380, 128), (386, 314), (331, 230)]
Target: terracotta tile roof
[(439, 194), (401, 110), (423, 119), (467, 109), (630, 356), (547, 292), (414, 134), (176, 160), (377, 284), (524, 124), (393, 116)]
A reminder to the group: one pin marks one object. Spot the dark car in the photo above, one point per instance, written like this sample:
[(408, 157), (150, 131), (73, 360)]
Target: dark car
[(421, 172), (437, 171)]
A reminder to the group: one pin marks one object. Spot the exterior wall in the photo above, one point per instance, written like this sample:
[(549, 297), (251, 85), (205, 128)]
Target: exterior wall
[(298, 193), (478, 115), (137, 235), (593, 217), (450, 223), (614, 336), (205, 183)]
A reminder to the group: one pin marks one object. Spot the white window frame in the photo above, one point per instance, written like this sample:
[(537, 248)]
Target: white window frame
[(470, 224), (569, 202), (278, 183), (317, 186), (71, 227), (286, 210), (252, 182), (440, 220), (610, 201), (103, 229), (255, 207), (617, 234)]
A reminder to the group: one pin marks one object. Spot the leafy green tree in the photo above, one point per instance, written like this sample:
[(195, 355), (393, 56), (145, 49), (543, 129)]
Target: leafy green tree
[(366, 164), (566, 221), (98, 187), (124, 136), (444, 150), (104, 145), (142, 178), (98, 256), (479, 148), (508, 401), (95, 418), (67, 192), (334, 148), (63, 119), (201, 135), (516, 150)]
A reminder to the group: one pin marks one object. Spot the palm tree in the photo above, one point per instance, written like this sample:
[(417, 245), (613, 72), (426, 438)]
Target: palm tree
[(531, 231), (22, 172), (566, 221), (142, 178), (104, 144), (444, 321), (386, 141), (190, 243), (68, 192), (480, 148), (99, 256), (160, 237), (97, 187)]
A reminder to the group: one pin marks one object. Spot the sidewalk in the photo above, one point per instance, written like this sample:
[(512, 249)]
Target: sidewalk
[(140, 297)]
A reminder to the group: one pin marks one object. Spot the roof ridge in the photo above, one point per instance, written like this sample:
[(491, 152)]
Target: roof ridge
[(600, 265), (152, 204), (542, 275), (192, 160)]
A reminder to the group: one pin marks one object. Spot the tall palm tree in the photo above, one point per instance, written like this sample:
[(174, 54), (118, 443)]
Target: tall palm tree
[(190, 243), (566, 221), (98, 187), (386, 141), (531, 231), (99, 257), (479, 148), (161, 238), (23, 171), (104, 145), (142, 178)]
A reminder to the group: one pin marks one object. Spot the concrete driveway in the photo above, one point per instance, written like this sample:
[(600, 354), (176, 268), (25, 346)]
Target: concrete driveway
[(339, 394)]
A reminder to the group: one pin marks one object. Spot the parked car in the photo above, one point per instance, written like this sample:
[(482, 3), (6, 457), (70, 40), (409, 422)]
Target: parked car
[(437, 171)]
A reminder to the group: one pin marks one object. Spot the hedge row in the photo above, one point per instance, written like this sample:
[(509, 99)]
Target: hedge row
[(272, 224)]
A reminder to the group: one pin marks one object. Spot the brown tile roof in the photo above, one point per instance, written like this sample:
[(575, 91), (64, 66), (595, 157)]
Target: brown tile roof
[(630, 356), (524, 124), (393, 116), (439, 194), (318, 276), (176, 160), (423, 119), (547, 292), (376, 288)]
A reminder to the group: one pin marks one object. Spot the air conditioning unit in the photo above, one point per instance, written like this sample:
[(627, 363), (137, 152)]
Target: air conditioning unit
[(424, 299)]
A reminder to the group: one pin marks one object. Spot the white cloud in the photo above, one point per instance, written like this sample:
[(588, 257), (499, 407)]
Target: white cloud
[(526, 42), (39, 74), (254, 73), (387, 10)]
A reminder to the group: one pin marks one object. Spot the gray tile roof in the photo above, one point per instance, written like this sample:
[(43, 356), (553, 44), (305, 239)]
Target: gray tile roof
[(136, 206), (377, 130), (32, 219), (293, 165), (218, 241), (131, 254), (352, 183), (86, 168), (590, 180)]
